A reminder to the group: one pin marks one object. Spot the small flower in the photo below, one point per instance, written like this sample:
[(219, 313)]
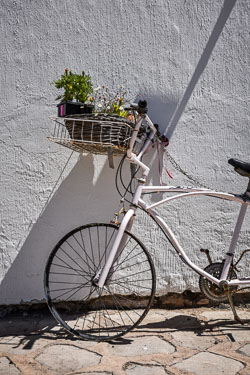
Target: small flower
[(121, 108), (100, 105), (91, 99), (97, 88)]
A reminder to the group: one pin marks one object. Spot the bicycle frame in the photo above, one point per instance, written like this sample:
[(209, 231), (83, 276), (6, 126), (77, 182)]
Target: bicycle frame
[(187, 192), (183, 192)]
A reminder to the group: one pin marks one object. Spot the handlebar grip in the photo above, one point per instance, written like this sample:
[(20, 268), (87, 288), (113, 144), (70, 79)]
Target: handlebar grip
[(142, 107), (142, 104)]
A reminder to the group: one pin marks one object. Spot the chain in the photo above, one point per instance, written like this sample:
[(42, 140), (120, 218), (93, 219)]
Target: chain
[(186, 174)]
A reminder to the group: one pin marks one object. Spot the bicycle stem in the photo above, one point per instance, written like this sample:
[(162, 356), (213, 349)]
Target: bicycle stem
[(134, 135)]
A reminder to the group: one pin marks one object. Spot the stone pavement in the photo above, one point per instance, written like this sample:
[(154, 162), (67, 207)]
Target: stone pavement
[(176, 342)]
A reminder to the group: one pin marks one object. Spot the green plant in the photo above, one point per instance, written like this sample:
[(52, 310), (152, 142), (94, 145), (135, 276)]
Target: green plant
[(76, 86), (109, 102)]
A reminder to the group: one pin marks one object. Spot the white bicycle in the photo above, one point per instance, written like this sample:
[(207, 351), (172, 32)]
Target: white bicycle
[(100, 279)]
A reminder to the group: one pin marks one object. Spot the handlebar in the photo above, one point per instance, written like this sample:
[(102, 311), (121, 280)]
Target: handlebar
[(141, 109)]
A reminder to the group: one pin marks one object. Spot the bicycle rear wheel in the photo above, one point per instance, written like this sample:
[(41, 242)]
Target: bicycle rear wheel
[(83, 308)]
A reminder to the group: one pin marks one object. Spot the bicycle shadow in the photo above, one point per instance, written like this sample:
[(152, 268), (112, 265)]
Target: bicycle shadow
[(188, 323), (23, 330), (36, 326)]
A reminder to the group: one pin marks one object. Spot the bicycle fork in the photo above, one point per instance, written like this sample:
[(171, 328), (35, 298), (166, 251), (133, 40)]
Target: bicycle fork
[(117, 247)]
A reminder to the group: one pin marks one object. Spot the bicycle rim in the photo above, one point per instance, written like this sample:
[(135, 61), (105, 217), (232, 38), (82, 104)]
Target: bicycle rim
[(82, 308)]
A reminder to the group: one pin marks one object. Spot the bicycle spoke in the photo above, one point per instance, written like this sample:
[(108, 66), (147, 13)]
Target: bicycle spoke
[(125, 259), (116, 299), (131, 290), (133, 274), (129, 304), (78, 274), (67, 274), (86, 254), (106, 247), (73, 259), (69, 267), (75, 292), (63, 294), (64, 282), (98, 240), (90, 239), (130, 266)]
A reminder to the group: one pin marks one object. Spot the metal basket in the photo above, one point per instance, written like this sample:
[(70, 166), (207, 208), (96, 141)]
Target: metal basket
[(96, 133)]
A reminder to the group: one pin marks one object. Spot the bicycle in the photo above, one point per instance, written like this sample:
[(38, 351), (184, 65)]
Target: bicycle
[(100, 279)]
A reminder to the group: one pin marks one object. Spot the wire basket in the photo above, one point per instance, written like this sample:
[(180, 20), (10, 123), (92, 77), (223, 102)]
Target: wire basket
[(96, 133)]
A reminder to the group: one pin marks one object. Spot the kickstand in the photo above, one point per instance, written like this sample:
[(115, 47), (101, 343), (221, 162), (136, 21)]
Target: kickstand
[(230, 299)]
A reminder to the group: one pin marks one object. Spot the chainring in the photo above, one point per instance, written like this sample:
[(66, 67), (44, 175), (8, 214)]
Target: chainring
[(211, 290)]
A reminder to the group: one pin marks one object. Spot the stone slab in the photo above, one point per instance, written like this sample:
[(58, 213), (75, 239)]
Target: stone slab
[(7, 367), (193, 340), (22, 344), (206, 363), (223, 319), (245, 350), (144, 345), (137, 369), (225, 314), (61, 359)]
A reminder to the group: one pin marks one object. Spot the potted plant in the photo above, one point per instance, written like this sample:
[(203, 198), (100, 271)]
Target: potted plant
[(109, 121), (77, 89), (95, 119), (109, 102)]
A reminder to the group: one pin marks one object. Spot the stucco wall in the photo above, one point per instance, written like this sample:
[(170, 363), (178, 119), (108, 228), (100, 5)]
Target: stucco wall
[(189, 59)]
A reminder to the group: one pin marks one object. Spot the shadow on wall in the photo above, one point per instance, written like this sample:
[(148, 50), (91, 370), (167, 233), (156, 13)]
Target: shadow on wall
[(217, 30), (166, 112), (161, 110), (76, 202)]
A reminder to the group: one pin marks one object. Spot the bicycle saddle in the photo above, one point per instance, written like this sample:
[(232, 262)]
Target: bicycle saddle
[(240, 167)]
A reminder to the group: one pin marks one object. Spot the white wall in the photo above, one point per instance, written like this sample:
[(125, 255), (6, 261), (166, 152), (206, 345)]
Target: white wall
[(189, 59)]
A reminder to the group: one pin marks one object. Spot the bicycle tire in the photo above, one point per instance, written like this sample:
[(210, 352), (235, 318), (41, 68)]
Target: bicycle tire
[(83, 309)]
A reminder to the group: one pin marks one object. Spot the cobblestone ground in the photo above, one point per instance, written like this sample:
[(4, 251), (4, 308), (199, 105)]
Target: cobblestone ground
[(177, 342)]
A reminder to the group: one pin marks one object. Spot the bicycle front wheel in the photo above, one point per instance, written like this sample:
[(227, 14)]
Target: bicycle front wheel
[(75, 300)]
